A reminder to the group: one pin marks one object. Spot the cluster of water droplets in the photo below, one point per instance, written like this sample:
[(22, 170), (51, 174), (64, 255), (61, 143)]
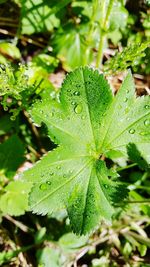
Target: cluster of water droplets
[(146, 123), (46, 185)]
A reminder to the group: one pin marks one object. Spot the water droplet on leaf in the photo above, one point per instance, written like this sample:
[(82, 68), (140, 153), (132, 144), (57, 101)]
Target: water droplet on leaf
[(147, 106), (51, 114), (77, 93), (58, 167), (78, 109), (147, 122), (43, 186), (131, 131)]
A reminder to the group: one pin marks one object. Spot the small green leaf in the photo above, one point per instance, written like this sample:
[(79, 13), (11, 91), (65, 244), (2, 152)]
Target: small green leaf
[(86, 123), (6, 124), (10, 50), (70, 243), (15, 199), (49, 257), (38, 16), (11, 156)]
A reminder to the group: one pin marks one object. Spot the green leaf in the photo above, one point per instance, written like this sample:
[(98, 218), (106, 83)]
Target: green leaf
[(73, 54), (6, 124), (49, 257), (86, 123), (126, 58), (70, 243), (39, 16), (47, 62), (11, 156), (15, 199), (10, 50), (6, 256), (121, 13), (127, 121), (137, 157)]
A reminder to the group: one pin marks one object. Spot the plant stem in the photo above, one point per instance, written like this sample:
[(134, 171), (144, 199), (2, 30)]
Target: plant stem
[(138, 201), (103, 29), (109, 9), (91, 30), (126, 167), (100, 50)]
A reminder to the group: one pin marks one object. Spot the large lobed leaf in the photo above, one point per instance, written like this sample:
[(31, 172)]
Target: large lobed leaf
[(87, 123)]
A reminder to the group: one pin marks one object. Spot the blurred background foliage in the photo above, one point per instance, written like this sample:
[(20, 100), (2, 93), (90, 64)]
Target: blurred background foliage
[(39, 42)]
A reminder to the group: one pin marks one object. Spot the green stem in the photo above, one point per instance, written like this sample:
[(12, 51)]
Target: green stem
[(91, 30), (100, 49), (103, 29), (138, 201), (109, 9), (126, 167)]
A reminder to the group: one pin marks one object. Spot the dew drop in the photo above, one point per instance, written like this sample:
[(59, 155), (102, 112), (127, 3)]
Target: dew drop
[(128, 119), (58, 167), (69, 90), (147, 106), (73, 103), (131, 131), (126, 99), (64, 175), (78, 109), (76, 93), (51, 173), (127, 91), (147, 122), (51, 114), (43, 186), (105, 185), (83, 117), (48, 182)]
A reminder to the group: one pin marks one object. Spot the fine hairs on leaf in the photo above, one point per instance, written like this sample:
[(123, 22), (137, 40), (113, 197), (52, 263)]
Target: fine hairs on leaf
[(86, 123)]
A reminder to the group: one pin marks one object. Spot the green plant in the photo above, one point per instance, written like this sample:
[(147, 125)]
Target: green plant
[(126, 58), (21, 86), (88, 124), (97, 168)]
